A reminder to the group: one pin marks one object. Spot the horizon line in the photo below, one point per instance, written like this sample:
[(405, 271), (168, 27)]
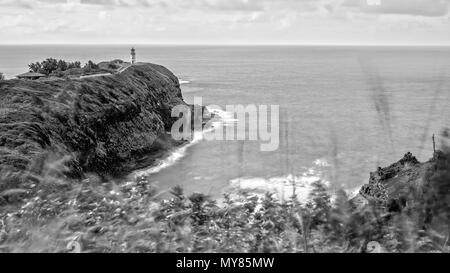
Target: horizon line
[(224, 44)]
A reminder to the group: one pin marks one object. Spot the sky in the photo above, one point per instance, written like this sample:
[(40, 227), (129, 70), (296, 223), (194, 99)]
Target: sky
[(318, 22)]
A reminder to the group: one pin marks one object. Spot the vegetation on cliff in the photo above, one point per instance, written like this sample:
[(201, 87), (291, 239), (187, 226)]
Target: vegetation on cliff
[(61, 68), (51, 65)]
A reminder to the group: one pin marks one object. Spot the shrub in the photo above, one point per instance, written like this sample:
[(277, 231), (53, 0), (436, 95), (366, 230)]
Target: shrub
[(51, 65), (90, 66)]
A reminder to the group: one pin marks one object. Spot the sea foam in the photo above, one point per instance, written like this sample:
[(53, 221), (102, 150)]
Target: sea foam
[(173, 158), (184, 82), (178, 153), (285, 186)]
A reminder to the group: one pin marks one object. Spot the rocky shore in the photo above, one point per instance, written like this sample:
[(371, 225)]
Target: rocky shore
[(410, 187), (392, 186)]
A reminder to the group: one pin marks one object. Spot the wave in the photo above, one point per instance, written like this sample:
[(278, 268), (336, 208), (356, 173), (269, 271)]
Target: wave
[(321, 162), (224, 118), (173, 158), (184, 82), (283, 187), (352, 193)]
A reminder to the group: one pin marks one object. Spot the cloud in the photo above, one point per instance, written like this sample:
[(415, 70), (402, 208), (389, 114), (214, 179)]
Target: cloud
[(223, 21), (432, 8), (204, 5), (121, 3), (24, 4)]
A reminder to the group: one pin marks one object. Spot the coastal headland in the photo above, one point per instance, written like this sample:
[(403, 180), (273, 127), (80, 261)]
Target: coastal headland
[(105, 125)]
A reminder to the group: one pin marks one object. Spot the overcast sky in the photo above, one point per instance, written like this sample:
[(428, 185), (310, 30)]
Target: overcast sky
[(411, 22)]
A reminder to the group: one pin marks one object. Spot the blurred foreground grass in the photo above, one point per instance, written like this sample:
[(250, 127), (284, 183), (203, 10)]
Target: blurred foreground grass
[(94, 216)]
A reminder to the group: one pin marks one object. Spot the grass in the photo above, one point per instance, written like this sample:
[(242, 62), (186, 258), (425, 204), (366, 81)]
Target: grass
[(99, 217)]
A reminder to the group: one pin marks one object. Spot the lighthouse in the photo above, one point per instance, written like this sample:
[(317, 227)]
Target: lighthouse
[(133, 56)]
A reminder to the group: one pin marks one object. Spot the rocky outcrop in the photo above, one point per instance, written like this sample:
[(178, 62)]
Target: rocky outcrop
[(104, 125), (391, 187)]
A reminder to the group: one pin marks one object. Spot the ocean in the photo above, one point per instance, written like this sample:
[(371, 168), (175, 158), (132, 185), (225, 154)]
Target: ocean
[(344, 110)]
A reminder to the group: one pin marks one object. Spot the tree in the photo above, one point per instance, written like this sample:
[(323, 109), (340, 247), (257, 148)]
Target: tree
[(90, 66), (320, 203), (36, 67), (49, 65), (74, 65), (62, 65), (340, 214)]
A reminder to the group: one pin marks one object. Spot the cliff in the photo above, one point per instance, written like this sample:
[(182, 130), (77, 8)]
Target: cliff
[(105, 125)]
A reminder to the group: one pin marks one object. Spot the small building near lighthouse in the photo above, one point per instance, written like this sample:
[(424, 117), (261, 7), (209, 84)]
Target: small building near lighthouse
[(133, 55), (31, 76)]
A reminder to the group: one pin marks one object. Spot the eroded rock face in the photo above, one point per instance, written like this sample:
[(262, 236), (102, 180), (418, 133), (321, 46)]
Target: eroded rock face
[(389, 186), (101, 124)]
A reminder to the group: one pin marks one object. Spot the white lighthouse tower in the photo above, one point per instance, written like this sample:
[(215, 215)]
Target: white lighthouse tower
[(133, 55)]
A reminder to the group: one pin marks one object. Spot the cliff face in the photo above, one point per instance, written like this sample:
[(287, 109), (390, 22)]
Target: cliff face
[(105, 124)]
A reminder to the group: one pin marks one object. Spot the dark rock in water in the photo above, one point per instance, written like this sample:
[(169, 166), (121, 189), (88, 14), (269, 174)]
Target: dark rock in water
[(105, 124)]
